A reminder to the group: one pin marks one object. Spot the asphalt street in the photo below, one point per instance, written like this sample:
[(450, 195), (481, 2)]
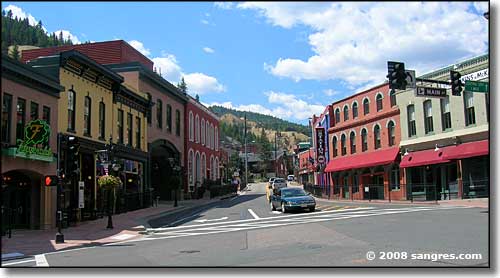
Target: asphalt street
[(243, 231)]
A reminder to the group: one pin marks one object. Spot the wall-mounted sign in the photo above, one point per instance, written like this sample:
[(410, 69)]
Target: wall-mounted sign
[(35, 144), (320, 144), (430, 92), (81, 194)]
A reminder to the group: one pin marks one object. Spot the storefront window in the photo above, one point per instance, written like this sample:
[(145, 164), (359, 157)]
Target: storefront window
[(6, 117), (395, 179), (33, 111), (21, 118), (355, 183)]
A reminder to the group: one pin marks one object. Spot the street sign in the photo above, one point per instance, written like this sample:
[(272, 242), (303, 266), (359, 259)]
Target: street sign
[(81, 190), (411, 81), (476, 86), (430, 92)]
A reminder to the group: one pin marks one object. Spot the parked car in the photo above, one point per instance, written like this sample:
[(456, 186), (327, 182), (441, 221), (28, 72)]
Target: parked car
[(288, 198), (279, 183), (290, 177)]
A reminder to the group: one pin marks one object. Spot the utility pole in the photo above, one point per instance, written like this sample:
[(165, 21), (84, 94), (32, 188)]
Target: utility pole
[(59, 235), (276, 135), (246, 153)]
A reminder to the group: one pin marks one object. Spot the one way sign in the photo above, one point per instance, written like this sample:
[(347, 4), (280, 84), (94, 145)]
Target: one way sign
[(411, 81)]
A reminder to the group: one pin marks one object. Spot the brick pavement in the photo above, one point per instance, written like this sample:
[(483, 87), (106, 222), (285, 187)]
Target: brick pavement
[(89, 233)]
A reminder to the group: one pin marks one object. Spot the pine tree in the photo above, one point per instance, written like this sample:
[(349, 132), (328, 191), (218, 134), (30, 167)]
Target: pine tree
[(182, 86), (197, 98)]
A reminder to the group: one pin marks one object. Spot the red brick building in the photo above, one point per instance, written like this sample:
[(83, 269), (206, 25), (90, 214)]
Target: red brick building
[(364, 146), (202, 158), (306, 167)]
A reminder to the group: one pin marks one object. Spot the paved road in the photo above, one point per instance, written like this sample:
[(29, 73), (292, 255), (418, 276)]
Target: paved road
[(242, 231)]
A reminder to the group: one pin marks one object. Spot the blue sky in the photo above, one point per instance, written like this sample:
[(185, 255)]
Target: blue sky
[(284, 59)]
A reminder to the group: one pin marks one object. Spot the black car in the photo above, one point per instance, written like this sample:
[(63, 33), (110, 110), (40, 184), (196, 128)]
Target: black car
[(289, 198)]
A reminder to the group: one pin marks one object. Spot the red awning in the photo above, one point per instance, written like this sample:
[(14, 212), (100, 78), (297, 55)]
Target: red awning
[(362, 160), (421, 158), (465, 150)]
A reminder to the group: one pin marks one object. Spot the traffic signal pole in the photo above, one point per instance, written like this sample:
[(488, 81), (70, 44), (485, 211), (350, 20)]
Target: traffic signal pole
[(59, 235)]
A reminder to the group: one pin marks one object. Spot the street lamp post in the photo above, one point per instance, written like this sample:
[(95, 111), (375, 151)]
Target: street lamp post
[(276, 136), (59, 235)]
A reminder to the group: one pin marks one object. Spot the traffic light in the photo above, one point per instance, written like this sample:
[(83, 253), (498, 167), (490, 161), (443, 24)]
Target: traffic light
[(456, 83), (73, 157), (396, 75), (51, 180)]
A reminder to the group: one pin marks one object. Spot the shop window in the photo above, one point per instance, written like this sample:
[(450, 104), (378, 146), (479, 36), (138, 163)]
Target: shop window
[(346, 113), (169, 118), (379, 102), (71, 110), (470, 116), (6, 117), (445, 113), (138, 132), (334, 143), (428, 117), (33, 111), (392, 97), (102, 120), (355, 110), (366, 106), (391, 133), (412, 126), (21, 118), (343, 144), (364, 140), (86, 116), (177, 122), (159, 114), (120, 126), (129, 129), (395, 186), (355, 183), (352, 138), (376, 137)]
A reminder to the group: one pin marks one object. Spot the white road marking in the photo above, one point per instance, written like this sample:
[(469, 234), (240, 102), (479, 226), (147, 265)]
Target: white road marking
[(123, 236), (19, 262), (253, 214), (280, 221), (41, 260), (276, 212), (210, 220)]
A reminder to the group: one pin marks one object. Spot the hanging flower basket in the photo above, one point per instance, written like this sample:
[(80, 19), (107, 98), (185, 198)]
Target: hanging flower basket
[(109, 182)]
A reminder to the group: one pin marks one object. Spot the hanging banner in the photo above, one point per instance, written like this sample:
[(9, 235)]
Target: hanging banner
[(320, 145)]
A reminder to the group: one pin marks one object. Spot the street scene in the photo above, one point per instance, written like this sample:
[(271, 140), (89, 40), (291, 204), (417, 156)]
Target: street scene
[(245, 134)]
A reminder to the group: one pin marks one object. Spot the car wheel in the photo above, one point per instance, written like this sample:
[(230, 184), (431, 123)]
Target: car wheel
[(312, 209), (273, 208), (283, 209)]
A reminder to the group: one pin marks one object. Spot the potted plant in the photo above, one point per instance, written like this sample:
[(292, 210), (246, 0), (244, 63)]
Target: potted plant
[(109, 183)]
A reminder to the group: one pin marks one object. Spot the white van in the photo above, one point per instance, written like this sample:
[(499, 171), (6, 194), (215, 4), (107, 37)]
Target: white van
[(290, 177)]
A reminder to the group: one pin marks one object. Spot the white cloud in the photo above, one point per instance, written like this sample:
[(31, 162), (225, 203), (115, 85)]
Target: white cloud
[(200, 83), (170, 70), (224, 5), (208, 50), (331, 93), (257, 108), (352, 41), (140, 47), (16, 11), (204, 21), (67, 34)]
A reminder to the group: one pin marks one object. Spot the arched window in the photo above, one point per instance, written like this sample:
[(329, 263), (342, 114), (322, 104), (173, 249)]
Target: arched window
[(87, 116), (352, 138), (159, 113), (343, 144), (203, 131), (71, 111), (366, 106), (197, 129), (207, 132), (379, 102), (216, 139), (190, 168), (391, 133), (376, 136), (346, 113), (212, 140), (212, 170), (354, 110), (203, 166), (392, 94), (337, 115), (216, 167), (191, 126), (334, 143), (364, 140)]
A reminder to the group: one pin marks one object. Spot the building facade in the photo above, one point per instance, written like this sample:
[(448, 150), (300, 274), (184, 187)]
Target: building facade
[(445, 139), (306, 167), (321, 125), (364, 146), (28, 97), (202, 146)]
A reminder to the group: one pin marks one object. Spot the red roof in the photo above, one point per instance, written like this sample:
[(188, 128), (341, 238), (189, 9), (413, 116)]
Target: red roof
[(362, 160), (421, 158), (465, 150)]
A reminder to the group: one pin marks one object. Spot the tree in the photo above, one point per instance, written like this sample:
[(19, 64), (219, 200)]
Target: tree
[(197, 98), (182, 86)]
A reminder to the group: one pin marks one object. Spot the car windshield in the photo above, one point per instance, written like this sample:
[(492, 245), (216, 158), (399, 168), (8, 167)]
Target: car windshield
[(279, 180), (293, 193)]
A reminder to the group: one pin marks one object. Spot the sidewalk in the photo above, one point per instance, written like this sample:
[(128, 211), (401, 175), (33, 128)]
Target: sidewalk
[(476, 203), (90, 233)]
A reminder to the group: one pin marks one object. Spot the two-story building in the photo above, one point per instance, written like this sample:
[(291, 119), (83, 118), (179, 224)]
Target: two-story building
[(445, 139), (364, 146), (29, 146)]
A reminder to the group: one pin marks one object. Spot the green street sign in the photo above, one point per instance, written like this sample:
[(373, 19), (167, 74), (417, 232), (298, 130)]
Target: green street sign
[(476, 86)]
